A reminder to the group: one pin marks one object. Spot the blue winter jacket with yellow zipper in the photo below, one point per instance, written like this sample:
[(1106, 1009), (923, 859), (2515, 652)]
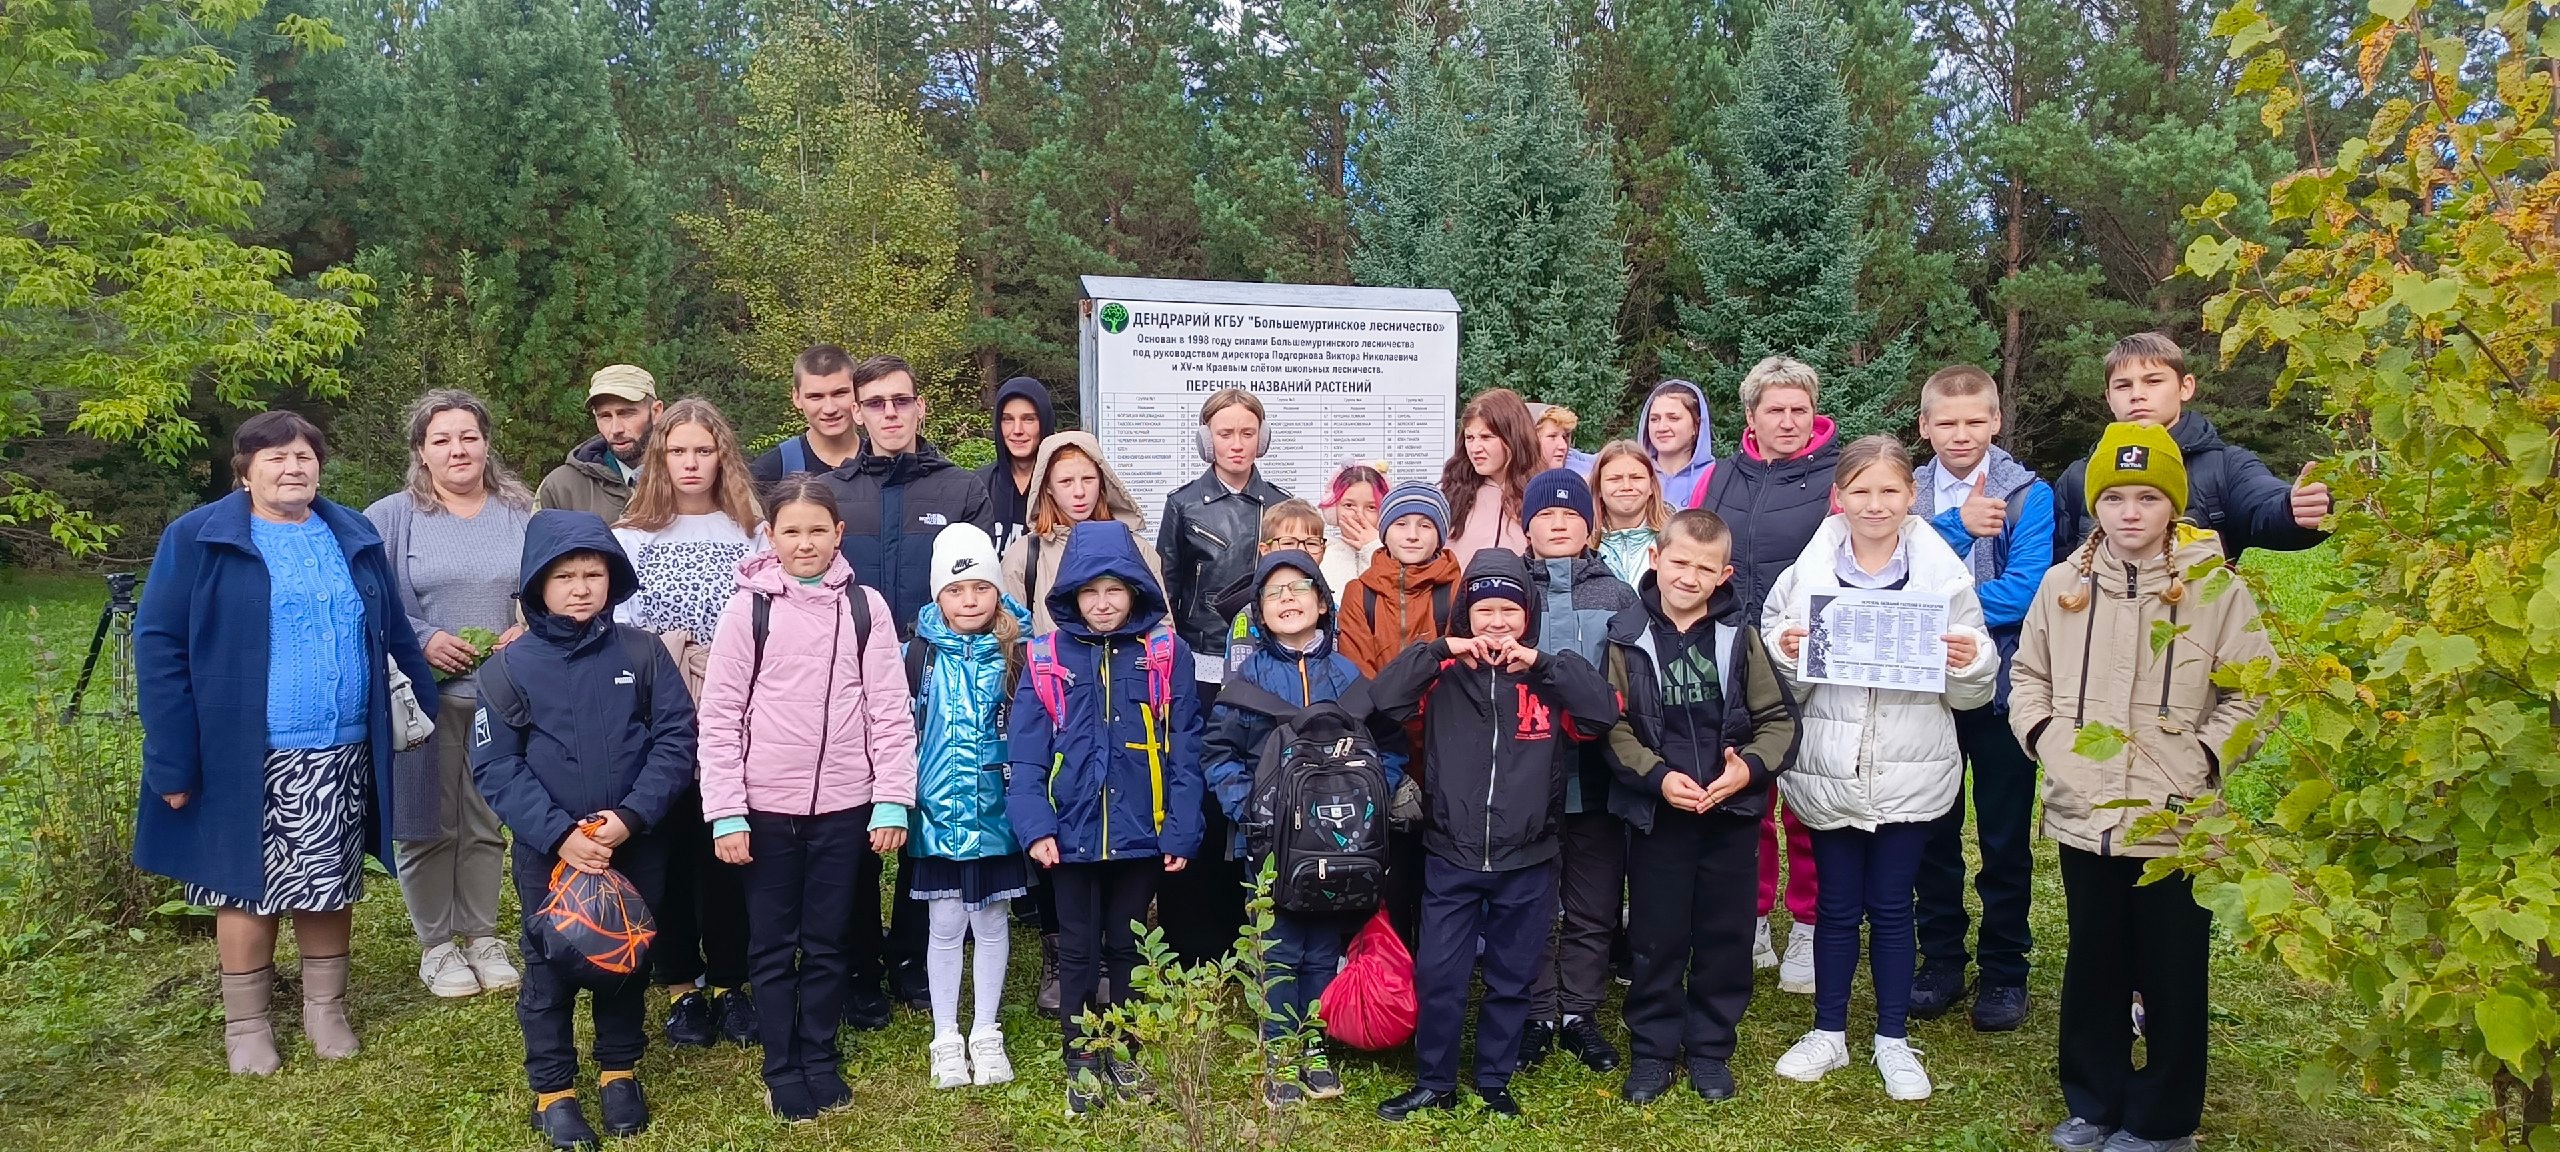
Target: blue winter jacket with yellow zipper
[(960, 725), (1111, 779)]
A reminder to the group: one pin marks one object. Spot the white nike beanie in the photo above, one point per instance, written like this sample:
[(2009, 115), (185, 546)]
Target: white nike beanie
[(963, 552)]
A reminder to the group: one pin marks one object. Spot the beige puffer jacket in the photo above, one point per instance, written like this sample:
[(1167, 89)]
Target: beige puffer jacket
[(1017, 563), (2097, 666)]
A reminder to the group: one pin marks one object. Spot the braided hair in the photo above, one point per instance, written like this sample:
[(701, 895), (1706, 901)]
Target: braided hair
[(2078, 597)]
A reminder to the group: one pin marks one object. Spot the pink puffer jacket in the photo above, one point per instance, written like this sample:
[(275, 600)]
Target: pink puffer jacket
[(830, 728)]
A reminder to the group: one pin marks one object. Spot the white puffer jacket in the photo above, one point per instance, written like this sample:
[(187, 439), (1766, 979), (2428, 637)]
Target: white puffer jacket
[(1874, 756)]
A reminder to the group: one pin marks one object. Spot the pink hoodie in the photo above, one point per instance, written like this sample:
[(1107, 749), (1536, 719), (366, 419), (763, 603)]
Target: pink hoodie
[(831, 727)]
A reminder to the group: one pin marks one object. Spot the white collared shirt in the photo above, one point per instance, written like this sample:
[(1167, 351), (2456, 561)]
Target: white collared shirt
[(1845, 564), (1954, 490)]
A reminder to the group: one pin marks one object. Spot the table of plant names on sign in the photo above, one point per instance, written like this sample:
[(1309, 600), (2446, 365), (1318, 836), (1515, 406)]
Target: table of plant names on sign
[(1336, 383)]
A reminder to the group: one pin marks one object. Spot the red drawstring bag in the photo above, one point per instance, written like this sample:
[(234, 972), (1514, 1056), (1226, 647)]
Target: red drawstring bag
[(596, 924), (1370, 1005)]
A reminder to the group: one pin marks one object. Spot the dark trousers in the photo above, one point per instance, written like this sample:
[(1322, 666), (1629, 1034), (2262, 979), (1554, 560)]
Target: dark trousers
[(1690, 884), (1201, 908), (876, 951), (547, 1003), (1305, 953), (1866, 879), (800, 896), (1098, 904), (702, 924), (1573, 977), (2127, 937), (2004, 816), (1402, 890), (1508, 913)]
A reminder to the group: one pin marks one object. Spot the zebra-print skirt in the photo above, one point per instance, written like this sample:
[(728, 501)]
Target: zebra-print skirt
[(314, 835)]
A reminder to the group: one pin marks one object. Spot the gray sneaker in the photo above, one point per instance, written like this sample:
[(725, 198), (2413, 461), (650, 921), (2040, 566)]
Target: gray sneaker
[(2078, 1135), (2128, 1142)]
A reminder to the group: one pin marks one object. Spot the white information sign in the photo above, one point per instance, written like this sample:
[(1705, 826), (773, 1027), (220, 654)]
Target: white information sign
[(1868, 638), (1336, 383)]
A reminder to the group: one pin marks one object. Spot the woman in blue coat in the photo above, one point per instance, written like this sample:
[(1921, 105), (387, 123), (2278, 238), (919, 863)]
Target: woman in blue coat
[(260, 656)]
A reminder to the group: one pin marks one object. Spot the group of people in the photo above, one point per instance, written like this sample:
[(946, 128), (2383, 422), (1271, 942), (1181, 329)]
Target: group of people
[(752, 688)]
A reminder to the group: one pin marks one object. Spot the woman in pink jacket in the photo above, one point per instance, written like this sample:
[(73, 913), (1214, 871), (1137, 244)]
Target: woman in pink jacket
[(808, 760)]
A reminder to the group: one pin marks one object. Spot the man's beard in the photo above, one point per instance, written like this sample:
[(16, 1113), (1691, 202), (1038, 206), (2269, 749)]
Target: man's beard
[(639, 446)]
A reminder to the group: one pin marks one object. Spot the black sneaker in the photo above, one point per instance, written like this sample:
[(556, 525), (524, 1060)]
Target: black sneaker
[(689, 1021), (788, 1099), (1279, 1091), (1936, 990), (737, 1012), (1128, 1081), (2000, 1009), (626, 1111), (1086, 1086), (908, 985), (1647, 1080), (865, 1009), (1581, 1035), (827, 1090), (563, 1126), (1710, 1078), (1498, 1101), (1536, 1040), (1316, 1074), (1420, 1099)]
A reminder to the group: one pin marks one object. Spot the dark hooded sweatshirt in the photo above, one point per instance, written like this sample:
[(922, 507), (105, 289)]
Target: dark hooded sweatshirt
[(1320, 674), (1088, 778), (1499, 745), (1008, 506), (2229, 490), (593, 744), (1690, 695)]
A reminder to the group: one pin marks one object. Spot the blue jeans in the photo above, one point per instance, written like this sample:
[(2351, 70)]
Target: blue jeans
[(1306, 951), (1866, 879)]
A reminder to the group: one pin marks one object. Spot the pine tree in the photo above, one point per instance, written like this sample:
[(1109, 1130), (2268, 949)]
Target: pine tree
[(1779, 258), (851, 232), (1484, 181)]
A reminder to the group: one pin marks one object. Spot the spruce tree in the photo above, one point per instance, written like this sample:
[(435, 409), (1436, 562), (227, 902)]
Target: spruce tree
[(1780, 251), (1485, 181)]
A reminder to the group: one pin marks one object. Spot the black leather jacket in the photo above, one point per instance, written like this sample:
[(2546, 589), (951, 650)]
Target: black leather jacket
[(1207, 541)]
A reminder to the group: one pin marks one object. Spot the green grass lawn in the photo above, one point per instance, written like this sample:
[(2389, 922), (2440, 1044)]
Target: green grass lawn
[(115, 1043)]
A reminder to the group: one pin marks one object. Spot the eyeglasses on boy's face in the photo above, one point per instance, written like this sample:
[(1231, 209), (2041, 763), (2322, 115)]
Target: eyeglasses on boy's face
[(1307, 543), (1283, 591), (883, 405)]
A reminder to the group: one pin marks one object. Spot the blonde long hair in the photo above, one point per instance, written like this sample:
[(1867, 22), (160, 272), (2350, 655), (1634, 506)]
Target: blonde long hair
[(1657, 515), (496, 479), (653, 499)]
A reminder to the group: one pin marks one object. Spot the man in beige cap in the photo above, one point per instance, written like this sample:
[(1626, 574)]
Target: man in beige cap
[(597, 478)]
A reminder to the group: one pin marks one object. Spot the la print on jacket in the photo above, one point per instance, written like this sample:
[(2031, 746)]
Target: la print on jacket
[(1907, 768), (825, 725)]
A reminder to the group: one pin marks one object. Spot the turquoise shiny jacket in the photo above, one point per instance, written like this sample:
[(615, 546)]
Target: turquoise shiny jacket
[(960, 723)]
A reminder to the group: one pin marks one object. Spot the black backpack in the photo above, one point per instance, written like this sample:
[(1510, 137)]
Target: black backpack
[(1319, 802)]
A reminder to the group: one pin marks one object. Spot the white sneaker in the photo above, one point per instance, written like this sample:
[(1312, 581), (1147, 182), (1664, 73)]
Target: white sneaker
[(1899, 1063), (1815, 1056), (987, 1062), (1795, 973), (1763, 954), (950, 1065), (447, 973), (488, 959)]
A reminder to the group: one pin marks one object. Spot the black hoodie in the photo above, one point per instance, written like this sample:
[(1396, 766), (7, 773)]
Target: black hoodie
[(1499, 745), (1681, 729), (593, 744), (1011, 506)]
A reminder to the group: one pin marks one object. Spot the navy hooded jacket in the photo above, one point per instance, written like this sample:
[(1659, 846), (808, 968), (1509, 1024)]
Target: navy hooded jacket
[(1008, 506), (1090, 779), (594, 744), (1236, 735)]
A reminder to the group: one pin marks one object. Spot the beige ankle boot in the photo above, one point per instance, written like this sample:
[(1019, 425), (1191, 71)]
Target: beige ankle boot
[(324, 1007), (247, 1038)]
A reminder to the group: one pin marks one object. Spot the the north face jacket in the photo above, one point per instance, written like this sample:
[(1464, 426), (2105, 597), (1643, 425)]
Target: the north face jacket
[(594, 744), (1111, 779), (1499, 746), (893, 507), (2099, 666)]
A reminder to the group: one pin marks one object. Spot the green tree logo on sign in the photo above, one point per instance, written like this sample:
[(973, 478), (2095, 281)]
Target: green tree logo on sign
[(1115, 318)]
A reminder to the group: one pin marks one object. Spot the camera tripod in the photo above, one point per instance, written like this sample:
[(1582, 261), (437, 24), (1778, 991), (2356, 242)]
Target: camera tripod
[(113, 641)]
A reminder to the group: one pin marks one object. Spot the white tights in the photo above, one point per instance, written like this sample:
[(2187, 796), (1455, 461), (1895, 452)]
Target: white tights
[(951, 921)]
